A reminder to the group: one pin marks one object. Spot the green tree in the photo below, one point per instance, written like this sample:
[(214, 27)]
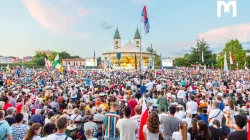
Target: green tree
[(38, 59), (52, 56), (196, 53), (235, 47), (157, 59)]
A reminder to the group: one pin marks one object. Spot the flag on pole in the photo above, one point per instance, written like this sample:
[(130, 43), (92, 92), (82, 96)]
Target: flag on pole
[(144, 117), (202, 56), (47, 64), (144, 19), (225, 63), (56, 64), (94, 57), (15, 60), (231, 59), (69, 68), (245, 66)]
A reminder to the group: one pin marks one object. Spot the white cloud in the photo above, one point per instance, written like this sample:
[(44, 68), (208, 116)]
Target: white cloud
[(221, 36)]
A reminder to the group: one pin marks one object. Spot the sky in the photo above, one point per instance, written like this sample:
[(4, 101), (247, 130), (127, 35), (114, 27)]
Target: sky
[(82, 26)]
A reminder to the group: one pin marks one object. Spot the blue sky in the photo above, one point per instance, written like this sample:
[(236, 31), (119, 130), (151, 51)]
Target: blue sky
[(80, 26)]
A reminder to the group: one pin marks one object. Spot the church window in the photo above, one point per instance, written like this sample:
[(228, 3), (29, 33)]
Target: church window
[(116, 42), (137, 42)]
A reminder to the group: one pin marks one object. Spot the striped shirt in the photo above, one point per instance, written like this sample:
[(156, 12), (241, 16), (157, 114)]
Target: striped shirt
[(110, 122)]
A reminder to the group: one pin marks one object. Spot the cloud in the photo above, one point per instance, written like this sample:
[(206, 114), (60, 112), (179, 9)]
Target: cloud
[(139, 1), (49, 16), (220, 36), (82, 12), (106, 26)]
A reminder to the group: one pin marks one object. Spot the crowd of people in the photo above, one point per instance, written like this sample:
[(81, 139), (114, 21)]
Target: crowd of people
[(182, 104)]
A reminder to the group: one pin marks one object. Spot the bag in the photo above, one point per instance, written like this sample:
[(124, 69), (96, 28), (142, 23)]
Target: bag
[(217, 114)]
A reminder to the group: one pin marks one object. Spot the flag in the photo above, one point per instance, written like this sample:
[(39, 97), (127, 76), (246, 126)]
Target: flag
[(57, 64), (245, 66), (202, 56), (144, 19), (47, 64), (144, 118), (94, 57), (69, 68), (8, 68), (231, 59), (225, 63)]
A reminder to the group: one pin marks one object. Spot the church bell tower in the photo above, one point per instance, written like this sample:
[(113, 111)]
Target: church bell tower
[(117, 40)]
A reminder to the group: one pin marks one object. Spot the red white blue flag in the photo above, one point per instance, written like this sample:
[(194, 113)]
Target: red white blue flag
[(144, 19)]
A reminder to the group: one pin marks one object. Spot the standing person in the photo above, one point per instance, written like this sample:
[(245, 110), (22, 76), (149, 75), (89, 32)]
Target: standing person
[(10, 115), (19, 129), (89, 135), (152, 130), (137, 117), (170, 123), (34, 132), (61, 125), (126, 126), (73, 93), (162, 102), (132, 103), (221, 105), (182, 134), (215, 113), (215, 130), (240, 122), (110, 122), (193, 130), (48, 129), (5, 130), (181, 95), (203, 131), (192, 107)]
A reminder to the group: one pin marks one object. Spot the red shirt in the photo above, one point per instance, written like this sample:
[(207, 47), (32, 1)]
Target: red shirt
[(19, 107), (6, 106)]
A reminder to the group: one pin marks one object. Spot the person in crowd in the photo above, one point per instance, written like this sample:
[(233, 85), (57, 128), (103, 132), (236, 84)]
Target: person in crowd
[(48, 129), (188, 120), (221, 103), (182, 134), (19, 129), (126, 126), (10, 115), (5, 130), (193, 130), (34, 132), (25, 113), (89, 136), (170, 123), (71, 128), (61, 125), (37, 117), (162, 102), (204, 115), (240, 121), (152, 129), (99, 116), (111, 132), (215, 113), (192, 107), (137, 118), (203, 131), (132, 103), (75, 116), (92, 126), (215, 130), (49, 115), (6, 103)]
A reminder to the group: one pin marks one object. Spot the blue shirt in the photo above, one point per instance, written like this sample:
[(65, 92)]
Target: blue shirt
[(110, 121), (4, 130), (204, 117), (87, 81), (222, 106), (183, 83), (143, 89), (42, 82)]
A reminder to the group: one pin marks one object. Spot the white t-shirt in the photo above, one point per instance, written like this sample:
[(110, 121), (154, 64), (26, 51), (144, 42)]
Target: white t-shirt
[(215, 114), (188, 121), (36, 138), (149, 135), (76, 117), (150, 86), (73, 93), (127, 128), (178, 136), (138, 119), (58, 137), (91, 126), (181, 94), (192, 107), (159, 87)]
